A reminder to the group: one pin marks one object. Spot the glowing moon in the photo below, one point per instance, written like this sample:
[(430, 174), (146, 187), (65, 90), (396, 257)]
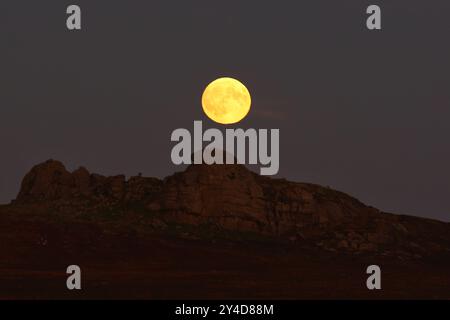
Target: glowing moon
[(226, 101)]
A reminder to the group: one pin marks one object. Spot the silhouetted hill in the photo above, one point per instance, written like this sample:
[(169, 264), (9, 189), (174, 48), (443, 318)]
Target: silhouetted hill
[(217, 231), (219, 199)]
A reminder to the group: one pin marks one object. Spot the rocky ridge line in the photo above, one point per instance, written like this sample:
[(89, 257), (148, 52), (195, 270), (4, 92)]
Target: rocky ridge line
[(230, 197)]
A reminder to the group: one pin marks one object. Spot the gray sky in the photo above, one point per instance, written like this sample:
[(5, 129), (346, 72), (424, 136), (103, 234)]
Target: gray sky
[(363, 112)]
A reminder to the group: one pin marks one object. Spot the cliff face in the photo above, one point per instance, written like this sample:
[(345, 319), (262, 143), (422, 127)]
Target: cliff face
[(230, 197), (51, 182)]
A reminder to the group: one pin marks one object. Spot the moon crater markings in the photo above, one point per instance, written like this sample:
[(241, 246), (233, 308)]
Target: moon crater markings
[(226, 101)]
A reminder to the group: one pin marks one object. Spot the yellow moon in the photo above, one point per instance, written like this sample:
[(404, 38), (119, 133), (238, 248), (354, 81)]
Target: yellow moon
[(226, 101)]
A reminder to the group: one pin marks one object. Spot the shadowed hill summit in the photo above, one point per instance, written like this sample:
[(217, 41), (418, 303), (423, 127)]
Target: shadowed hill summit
[(232, 198)]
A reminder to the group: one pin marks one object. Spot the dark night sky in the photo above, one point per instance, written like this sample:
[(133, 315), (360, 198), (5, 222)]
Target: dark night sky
[(363, 112)]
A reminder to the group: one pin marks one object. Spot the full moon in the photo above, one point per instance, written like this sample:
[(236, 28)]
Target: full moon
[(226, 101)]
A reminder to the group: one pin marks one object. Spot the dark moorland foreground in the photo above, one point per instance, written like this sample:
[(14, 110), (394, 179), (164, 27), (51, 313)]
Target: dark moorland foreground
[(210, 232)]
